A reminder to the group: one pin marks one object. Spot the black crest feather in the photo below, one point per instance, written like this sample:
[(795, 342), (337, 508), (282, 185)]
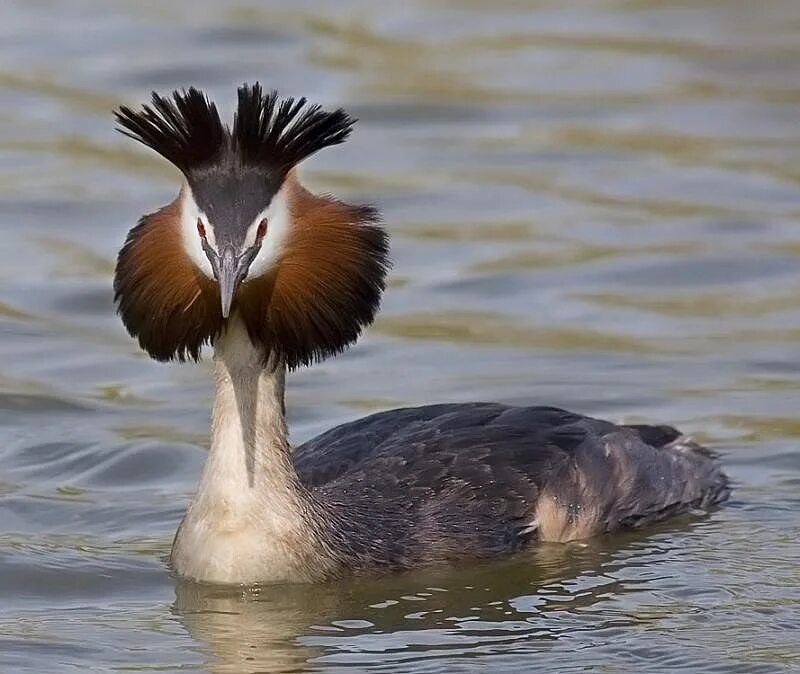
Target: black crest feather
[(280, 133), (184, 129), (276, 134)]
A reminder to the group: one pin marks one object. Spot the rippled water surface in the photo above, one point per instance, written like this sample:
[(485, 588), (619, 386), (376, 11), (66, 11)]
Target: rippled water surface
[(592, 204)]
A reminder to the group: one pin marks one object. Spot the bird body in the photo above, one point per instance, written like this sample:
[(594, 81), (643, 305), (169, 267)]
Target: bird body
[(275, 277)]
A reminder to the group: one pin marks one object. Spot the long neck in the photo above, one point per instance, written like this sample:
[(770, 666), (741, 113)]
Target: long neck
[(249, 439), (251, 519)]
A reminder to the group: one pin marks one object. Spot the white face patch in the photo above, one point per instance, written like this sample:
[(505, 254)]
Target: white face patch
[(190, 214), (274, 242), (272, 246)]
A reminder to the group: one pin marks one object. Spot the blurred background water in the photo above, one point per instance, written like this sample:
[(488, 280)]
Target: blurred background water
[(592, 204)]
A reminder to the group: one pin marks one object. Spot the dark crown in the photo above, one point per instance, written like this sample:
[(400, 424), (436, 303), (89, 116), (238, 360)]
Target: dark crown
[(268, 132)]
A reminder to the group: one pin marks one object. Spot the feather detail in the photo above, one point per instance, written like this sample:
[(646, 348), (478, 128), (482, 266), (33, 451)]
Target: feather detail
[(164, 300), (326, 288), (269, 132), (280, 133), (185, 129)]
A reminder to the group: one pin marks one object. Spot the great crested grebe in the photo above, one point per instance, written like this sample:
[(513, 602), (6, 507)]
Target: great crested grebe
[(275, 277)]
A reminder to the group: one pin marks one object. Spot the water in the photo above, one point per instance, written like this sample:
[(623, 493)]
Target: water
[(593, 205)]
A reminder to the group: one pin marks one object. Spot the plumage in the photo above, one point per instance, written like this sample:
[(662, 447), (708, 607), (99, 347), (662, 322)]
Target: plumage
[(479, 479), (163, 299), (186, 129), (328, 286), (334, 260), (278, 134), (268, 132), (274, 277)]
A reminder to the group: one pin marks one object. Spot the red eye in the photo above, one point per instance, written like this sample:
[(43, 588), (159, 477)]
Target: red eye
[(262, 229), (200, 229)]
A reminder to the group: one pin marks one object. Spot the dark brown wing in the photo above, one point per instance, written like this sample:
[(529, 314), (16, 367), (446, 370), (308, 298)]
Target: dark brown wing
[(425, 484), (420, 433), (439, 482)]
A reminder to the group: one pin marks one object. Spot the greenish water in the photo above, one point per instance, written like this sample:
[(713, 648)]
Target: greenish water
[(592, 204)]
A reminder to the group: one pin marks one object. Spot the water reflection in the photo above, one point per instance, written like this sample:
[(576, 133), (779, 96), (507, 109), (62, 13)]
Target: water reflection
[(253, 631), (524, 602)]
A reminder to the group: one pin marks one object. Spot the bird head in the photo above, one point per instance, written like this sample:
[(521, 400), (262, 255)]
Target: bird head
[(243, 237)]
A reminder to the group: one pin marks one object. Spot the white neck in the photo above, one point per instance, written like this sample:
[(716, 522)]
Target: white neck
[(249, 440), (248, 521)]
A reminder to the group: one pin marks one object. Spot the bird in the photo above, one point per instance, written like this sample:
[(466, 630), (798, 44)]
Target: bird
[(273, 277)]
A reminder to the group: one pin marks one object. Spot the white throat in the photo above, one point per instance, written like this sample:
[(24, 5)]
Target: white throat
[(248, 519)]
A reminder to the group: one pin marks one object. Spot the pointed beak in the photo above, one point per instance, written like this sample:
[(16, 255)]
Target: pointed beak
[(231, 273), (230, 269)]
